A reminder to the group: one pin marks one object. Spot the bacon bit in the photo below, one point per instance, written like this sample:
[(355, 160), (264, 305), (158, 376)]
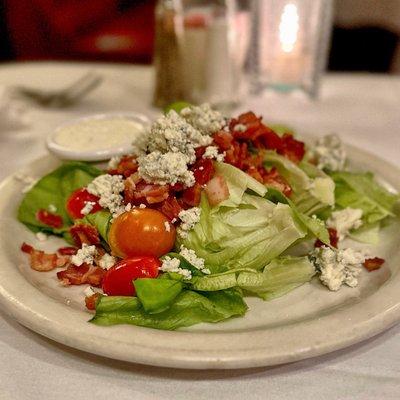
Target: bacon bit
[(199, 151), (371, 264), (126, 167), (192, 195), (273, 179), (85, 273), (91, 301), (178, 187), (27, 248), (170, 208), (292, 149), (49, 219), (203, 170), (333, 239), (223, 140), (67, 251), (84, 234), (255, 173), (41, 261), (217, 190), (148, 193)]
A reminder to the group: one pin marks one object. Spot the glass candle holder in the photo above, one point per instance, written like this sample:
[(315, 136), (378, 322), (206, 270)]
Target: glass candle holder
[(289, 44)]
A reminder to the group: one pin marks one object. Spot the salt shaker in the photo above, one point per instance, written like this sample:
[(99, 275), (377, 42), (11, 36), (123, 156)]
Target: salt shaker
[(211, 54)]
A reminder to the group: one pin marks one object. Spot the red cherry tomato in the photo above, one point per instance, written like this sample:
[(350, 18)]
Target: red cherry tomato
[(78, 199), (141, 232), (118, 279)]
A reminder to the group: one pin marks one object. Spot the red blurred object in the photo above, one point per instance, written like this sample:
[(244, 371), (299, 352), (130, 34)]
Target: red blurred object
[(49, 219), (111, 30), (84, 234), (333, 239), (371, 264)]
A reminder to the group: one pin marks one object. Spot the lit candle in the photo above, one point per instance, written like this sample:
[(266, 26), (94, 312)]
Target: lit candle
[(289, 28), (288, 57)]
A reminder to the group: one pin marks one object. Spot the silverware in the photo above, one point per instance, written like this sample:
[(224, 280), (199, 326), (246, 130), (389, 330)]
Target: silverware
[(63, 97)]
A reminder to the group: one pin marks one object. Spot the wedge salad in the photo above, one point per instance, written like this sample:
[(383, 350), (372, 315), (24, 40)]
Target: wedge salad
[(206, 211)]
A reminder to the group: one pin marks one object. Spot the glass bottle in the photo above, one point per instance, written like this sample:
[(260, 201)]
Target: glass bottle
[(167, 61)]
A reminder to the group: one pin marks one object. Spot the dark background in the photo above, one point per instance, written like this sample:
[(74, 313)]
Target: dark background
[(365, 35)]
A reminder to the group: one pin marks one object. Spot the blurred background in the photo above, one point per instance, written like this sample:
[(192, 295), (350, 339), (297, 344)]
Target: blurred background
[(365, 36)]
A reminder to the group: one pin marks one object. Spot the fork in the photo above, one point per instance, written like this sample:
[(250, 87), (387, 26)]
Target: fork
[(63, 97)]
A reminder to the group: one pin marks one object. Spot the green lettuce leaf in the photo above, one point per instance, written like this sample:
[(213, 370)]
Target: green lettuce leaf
[(247, 236), (313, 190), (315, 226), (54, 190), (238, 182), (156, 295), (279, 277), (101, 220), (361, 190), (188, 308)]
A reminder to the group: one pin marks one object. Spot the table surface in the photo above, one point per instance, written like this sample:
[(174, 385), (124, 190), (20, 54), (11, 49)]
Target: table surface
[(363, 109)]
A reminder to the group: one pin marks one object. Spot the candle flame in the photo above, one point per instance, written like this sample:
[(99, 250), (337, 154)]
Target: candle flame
[(289, 27)]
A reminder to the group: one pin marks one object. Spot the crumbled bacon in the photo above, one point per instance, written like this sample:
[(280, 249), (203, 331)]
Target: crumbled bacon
[(127, 166), (91, 301), (245, 143), (41, 261), (84, 234), (333, 239), (273, 179), (223, 140), (49, 219), (291, 148), (142, 192), (85, 273), (203, 170), (67, 251), (217, 190), (170, 208), (371, 264), (192, 196)]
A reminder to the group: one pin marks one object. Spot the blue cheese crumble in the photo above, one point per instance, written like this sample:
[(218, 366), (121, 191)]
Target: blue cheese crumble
[(338, 267), (88, 207), (193, 259), (170, 264), (189, 219), (212, 152), (108, 188), (204, 118), (345, 220), (84, 255), (168, 149), (173, 265), (329, 153), (106, 261), (163, 169)]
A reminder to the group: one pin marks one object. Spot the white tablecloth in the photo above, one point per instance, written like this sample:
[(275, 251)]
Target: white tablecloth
[(364, 109)]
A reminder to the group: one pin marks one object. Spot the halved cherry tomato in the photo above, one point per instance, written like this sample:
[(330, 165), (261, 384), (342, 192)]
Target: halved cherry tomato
[(118, 279), (78, 199), (141, 232), (50, 219)]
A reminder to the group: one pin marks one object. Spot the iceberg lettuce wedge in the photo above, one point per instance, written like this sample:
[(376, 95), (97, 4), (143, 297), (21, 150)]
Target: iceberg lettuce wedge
[(187, 308), (313, 190), (361, 190)]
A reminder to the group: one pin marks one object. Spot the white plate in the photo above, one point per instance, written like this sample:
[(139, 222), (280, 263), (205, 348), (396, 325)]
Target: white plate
[(66, 153), (307, 322)]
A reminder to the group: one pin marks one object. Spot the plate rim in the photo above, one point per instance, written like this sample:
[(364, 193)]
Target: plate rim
[(206, 350)]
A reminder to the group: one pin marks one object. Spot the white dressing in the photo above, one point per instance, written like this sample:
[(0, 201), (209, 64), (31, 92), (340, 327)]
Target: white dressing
[(98, 134)]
